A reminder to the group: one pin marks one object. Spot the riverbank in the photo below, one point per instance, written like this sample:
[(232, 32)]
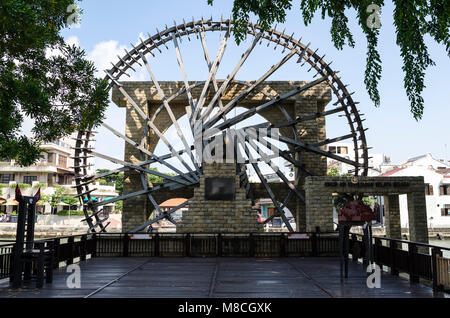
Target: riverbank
[(54, 226)]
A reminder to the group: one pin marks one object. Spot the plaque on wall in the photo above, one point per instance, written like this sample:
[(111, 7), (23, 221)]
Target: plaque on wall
[(219, 189)]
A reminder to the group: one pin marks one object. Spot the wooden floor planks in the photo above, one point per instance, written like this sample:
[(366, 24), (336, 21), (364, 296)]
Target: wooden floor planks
[(219, 277)]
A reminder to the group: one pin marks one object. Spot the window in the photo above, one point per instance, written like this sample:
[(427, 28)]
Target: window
[(332, 149), (445, 211), (444, 189), (51, 157), (62, 161), (428, 189), (343, 150), (6, 178), (29, 179)]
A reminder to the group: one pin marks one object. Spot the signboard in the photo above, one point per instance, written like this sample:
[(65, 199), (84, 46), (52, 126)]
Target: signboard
[(298, 236), (219, 189), (141, 236)]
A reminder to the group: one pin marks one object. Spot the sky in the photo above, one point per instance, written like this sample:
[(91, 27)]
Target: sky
[(107, 27)]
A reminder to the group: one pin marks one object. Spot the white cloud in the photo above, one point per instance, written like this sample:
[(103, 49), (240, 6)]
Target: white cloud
[(103, 54), (106, 52), (73, 40)]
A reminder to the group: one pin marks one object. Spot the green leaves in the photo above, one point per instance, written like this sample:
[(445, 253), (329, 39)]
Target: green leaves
[(43, 79), (413, 20)]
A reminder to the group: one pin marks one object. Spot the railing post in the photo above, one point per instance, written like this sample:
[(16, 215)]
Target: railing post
[(83, 248), (354, 241), (252, 245), (219, 245), (282, 245), (435, 252), (392, 253), (376, 254), (156, 244), (57, 252), (412, 251), (70, 243), (314, 250), (94, 244), (126, 244), (188, 244)]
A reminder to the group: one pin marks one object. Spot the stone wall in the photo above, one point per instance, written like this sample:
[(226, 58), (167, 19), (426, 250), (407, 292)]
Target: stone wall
[(216, 215), (320, 190), (136, 210)]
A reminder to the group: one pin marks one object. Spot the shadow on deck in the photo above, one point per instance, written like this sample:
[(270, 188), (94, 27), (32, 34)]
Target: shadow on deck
[(219, 277)]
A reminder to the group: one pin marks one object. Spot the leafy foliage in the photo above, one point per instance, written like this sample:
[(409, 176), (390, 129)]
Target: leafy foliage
[(43, 78), (117, 179), (413, 19), (70, 200), (54, 199), (70, 212)]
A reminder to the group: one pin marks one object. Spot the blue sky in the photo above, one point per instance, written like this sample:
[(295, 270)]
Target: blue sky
[(108, 26)]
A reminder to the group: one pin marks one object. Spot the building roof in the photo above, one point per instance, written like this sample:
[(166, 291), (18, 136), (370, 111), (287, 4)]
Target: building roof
[(171, 203), (443, 171), (390, 173)]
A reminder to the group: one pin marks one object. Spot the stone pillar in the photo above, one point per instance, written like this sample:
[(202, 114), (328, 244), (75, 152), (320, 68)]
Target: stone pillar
[(134, 209), (417, 216), (309, 132), (215, 216), (319, 206), (392, 216)]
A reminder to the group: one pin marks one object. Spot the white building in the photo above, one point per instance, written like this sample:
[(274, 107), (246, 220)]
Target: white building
[(54, 169), (436, 175), (345, 150)]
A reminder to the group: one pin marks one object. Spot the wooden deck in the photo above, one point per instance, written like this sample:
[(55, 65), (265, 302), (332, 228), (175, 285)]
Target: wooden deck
[(219, 277)]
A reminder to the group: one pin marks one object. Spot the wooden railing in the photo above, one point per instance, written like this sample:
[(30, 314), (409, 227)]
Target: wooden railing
[(443, 271), (418, 260), (218, 244)]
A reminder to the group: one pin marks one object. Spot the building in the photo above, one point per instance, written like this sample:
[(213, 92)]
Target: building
[(436, 175), (345, 149), (267, 209), (55, 168)]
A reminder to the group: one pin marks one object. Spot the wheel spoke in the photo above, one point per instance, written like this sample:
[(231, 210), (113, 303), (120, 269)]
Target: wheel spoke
[(318, 151), (233, 103), (169, 109), (179, 179), (254, 136), (230, 77), (159, 217), (247, 114), (267, 187), (155, 129), (212, 73)]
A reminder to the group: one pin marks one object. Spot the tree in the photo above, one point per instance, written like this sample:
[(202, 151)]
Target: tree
[(54, 199), (413, 19), (117, 179), (43, 78), (71, 201)]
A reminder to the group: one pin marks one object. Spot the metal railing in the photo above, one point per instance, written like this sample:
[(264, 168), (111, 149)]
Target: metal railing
[(418, 260)]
